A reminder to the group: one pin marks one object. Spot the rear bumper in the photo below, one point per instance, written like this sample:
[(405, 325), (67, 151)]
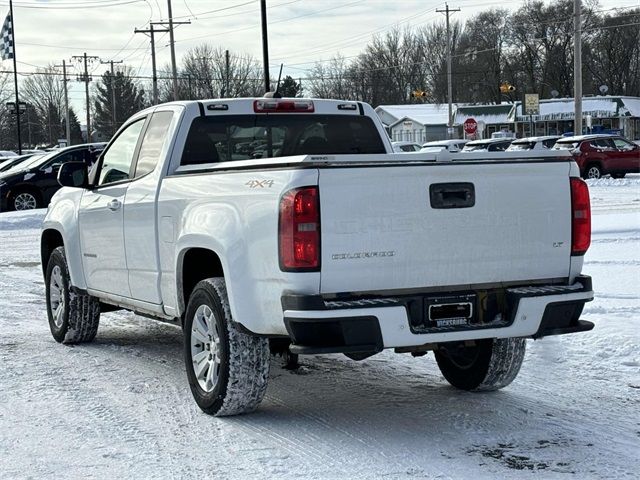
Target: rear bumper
[(352, 324)]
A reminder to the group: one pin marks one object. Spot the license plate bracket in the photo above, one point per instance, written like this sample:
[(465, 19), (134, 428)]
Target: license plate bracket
[(451, 311)]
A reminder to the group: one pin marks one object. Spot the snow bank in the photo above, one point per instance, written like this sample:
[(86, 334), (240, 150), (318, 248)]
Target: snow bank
[(22, 220)]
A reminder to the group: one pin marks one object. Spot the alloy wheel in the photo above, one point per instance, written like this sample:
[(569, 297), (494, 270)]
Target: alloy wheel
[(594, 173), (56, 296), (25, 201), (205, 348)]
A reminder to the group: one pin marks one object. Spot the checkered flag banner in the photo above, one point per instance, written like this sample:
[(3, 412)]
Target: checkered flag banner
[(6, 47)]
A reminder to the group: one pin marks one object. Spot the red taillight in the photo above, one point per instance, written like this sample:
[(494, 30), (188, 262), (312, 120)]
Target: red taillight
[(299, 230), (580, 217), (276, 105)]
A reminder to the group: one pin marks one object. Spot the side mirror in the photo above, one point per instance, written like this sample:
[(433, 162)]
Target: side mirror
[(73, 174)]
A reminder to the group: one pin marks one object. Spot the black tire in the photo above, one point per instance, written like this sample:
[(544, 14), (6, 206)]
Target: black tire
[(25, 200), (490, 364), (593, 171), (618, 175), (73, 317), (239, 361)]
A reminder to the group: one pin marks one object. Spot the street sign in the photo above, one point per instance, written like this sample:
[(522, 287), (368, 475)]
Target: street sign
[(531, 104), (22, 107), (470, 126)]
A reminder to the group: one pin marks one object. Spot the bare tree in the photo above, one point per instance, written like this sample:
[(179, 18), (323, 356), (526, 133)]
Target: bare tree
[(45, 91), (615, 58), (480, 57), (331, 79)]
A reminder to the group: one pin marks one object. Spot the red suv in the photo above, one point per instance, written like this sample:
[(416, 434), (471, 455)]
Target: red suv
[(598, 155)]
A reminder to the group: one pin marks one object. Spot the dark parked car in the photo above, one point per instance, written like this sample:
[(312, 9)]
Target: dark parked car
[(598, 155), (32, 183), (13, 162)]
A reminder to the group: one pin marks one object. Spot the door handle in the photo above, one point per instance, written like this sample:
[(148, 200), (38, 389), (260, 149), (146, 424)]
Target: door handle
[(114, 205)]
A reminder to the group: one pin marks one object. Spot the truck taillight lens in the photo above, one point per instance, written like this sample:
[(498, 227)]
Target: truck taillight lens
[(299, 230), (580, 217)]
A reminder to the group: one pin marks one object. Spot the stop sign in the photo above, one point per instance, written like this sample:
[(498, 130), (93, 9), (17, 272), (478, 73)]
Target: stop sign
[(470, 126)]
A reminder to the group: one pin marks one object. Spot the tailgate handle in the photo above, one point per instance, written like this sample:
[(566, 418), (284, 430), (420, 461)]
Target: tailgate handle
[(452, 195)]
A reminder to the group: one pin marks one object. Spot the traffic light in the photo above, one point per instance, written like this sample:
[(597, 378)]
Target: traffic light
[(506, 87), (419, 93)]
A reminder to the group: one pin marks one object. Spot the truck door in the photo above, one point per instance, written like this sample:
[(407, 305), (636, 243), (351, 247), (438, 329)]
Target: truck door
[(140, 210), (101, 216)]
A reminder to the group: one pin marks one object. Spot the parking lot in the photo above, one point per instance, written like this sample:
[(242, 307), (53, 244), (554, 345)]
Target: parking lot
[(121, 407)]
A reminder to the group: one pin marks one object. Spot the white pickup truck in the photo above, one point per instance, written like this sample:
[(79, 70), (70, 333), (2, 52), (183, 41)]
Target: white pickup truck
[(289, 222)]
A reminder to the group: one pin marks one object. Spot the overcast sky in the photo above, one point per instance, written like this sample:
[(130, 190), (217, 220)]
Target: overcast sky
[(301, 32)]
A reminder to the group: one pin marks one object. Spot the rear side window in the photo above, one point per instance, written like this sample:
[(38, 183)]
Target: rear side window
[(549, 143), (603, 143), (152, 143), (522, 145), (225, 138), (566, 145)]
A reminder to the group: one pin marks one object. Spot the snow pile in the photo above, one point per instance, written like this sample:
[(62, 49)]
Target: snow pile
[(22, 220)]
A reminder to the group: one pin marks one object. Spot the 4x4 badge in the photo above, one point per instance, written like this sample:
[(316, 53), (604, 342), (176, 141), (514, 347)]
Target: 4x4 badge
[(259, 183)]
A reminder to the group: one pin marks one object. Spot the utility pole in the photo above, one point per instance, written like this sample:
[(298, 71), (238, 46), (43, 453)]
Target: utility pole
[(86, 79), (577, 67), (265, 45), (15, 77), (227, 70), (447, 11), (151, 31), (114, 119), (66, 101), (174, 70)]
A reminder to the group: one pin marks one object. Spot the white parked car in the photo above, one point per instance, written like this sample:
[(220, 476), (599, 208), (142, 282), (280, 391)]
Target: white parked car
[(453, 146), (487, 145), (329, 243), (533, 143), (406, 147)]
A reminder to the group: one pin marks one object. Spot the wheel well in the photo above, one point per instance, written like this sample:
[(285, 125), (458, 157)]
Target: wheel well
[(597, 163), (198, 264), (26, 188), (50, 240)]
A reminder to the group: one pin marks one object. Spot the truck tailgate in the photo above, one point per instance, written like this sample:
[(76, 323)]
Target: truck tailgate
[(380, 230)]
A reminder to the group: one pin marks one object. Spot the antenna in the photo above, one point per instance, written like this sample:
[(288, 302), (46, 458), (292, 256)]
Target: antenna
[(275, 94), (278, 84)]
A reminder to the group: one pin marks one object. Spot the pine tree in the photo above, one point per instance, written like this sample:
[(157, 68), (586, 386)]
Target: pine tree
[(129, 96), (289, 87), (74, 124)]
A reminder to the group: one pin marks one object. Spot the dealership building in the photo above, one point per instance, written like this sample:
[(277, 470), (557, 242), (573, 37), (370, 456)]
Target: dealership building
[(426, 122)]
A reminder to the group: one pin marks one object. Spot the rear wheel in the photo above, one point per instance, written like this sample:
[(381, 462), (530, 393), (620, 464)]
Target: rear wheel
[(618, 175), (489, 364), (25, 200), (593, 172), (227, 369)]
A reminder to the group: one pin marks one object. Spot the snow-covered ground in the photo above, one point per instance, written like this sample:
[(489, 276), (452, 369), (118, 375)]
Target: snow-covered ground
[(121, 408)]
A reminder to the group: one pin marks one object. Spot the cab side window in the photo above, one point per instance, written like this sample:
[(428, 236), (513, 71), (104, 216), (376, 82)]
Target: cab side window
[(117, 160), (152, 143)]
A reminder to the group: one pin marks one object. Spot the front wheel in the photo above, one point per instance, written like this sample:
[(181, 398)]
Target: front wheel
[(489, 364), (227, 369), (25, 201), (73, 316), (618, 175), (593, 172)]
